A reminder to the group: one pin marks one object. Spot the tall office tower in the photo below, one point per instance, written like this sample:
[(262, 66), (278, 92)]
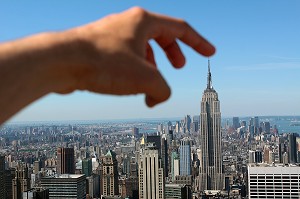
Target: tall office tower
[(170, 137), (187, 121), (151, 174), (195, 124), (235, 122), (174, 165), (21, 183), (135, 132), (177, 127), (65, 160), (2, 177), (211, 175), (160, 128), (110, 174), (9, 176), (266, 127), (273, 181), (164, 155), (37, 166), (185, 157), (87, 167), (292, 148), (243, 123), (256, 125)]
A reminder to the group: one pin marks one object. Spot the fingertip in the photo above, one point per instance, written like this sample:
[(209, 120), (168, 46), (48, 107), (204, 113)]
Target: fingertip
[(206, 50), (150, 101), (179, 63), (212, 50)]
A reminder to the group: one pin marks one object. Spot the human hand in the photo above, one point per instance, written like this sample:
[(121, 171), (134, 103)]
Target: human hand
[(113, 55)]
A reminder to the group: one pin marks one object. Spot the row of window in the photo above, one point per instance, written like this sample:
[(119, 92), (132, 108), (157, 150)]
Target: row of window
[(275, 177)]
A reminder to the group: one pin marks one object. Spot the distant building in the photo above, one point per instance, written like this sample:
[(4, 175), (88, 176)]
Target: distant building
[(255, 156), (235, 122), (277, 181), (185, 157), (2, 177), (164, 154), (36, 193), (110, 175), (87, 167), (9, 176), (243, 123), (69, 186), (187, 121), (21, 182), (266, 127), (135, 132), (37, 166), (151, 174), (292, 148), (187, 180), (177, 191), (174, 165), (93, 186), (65, 161)]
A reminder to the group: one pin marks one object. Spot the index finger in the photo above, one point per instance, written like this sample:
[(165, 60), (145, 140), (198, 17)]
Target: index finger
[(165, 27)]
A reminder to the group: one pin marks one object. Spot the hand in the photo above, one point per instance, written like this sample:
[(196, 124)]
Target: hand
[(113, 55)]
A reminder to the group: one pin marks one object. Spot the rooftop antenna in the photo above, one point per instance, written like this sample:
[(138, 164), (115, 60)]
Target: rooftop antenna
[(209, 82)]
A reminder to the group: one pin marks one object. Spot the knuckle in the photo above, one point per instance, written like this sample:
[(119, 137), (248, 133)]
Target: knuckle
[(139, 12), (184, 23)]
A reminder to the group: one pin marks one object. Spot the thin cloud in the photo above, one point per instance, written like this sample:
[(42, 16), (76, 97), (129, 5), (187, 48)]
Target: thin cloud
[(267, 66), (282, 58)]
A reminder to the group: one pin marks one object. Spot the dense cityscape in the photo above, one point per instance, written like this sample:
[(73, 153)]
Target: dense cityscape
[(202, 156)]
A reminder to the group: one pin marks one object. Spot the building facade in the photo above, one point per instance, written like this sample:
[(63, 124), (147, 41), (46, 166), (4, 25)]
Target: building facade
[(21, 182), (65, 186), (185, 157), (178, 191), (87, 167), (2, 177), (65, 161), (211, 176), (151, 174), (273, 181), (110, 175)]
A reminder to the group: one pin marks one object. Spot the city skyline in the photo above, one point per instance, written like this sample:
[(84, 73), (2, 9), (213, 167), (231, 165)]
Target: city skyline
[(255, 67)]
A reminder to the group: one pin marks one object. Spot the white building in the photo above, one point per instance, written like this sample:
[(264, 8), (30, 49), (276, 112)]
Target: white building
[(273, 181), (151, 174)]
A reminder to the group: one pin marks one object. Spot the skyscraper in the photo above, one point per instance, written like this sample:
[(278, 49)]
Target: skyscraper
[(151, 174), (211, 175), (174, 165), (2, 177), (235, 122), (185, 157), (65, 160), (87, 167), (110, 174), (21, 183), (292, 148)]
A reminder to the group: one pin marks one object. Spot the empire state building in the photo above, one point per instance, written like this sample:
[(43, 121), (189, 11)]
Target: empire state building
[(211, 175)]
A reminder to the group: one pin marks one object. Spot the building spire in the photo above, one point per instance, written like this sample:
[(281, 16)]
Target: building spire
[(209, 82)]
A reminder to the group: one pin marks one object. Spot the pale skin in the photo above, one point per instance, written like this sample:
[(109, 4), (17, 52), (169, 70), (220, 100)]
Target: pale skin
[(109, 56)]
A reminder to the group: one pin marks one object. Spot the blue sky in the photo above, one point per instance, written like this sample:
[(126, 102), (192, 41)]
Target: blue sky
[(255, 70)]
